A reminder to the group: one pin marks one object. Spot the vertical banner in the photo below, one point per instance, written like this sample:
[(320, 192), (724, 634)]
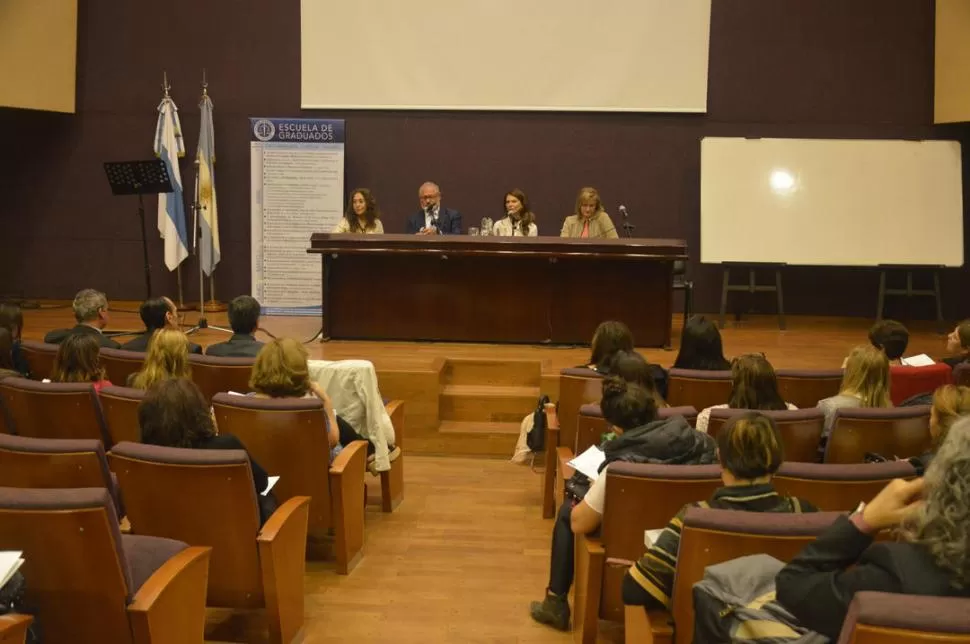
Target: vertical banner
[(297, 177)]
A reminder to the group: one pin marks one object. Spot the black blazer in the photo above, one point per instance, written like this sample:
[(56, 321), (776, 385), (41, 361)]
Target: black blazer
[(59, 335), (240, 345), (449, 222), (260, 479), (140, 343), (818, 585)]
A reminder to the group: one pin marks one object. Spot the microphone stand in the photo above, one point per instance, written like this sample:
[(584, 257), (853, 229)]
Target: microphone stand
[(628, 228)]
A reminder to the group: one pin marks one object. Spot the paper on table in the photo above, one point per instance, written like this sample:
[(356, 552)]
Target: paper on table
[(235, 393), (650, 536), (271, 481), (589, 462), (921, 360), (10, 562)]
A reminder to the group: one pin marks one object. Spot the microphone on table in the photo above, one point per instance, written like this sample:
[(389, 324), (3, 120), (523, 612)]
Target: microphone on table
[(434, 218), (627, 226)]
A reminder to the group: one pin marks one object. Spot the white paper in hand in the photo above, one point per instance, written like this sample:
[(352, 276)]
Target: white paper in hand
[(10, 563), (650, 536), (271, 481), (922, 360), (589, 462)]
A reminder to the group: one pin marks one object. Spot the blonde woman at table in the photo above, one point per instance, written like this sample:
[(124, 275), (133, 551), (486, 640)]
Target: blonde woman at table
[(519, 220), (362, 216), (590, 220)]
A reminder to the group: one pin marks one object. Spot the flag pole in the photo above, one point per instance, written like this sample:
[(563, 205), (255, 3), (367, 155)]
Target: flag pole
[(213, 303), (178, 269)]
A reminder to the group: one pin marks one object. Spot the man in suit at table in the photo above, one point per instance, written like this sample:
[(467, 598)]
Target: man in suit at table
[(91, 312), (157, 313), (432, 219), (244, 320)]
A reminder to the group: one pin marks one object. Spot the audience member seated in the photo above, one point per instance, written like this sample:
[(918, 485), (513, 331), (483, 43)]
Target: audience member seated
[(753, 386), (6, 354), (750, 451), (892, 337), (950, 403), (958, 343), (12, 319), (865, 383), (79, 360), (633, 367), (167, 357), (157, 313), (174, 413), (931, 556), (281, 371), (700, 346), (362, 215), (590, 219), (519, 220), (610, 338), (640, 438), (91, 312), (244, 320)]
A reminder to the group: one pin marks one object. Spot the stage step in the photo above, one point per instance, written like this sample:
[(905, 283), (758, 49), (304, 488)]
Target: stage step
[(498, 373), (490, 404), (478, 428)]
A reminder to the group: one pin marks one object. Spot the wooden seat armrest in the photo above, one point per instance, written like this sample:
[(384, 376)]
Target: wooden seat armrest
[(564, 470), (588, 587), (170, 605), (661, 626), (549, 473), (13, 628), (616, 561), (282, 561), (636, 625), (395, 409), (347, 496)]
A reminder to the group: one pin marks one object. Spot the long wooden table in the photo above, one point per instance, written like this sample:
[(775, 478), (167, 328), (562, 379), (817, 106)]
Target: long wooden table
[(495, 289)]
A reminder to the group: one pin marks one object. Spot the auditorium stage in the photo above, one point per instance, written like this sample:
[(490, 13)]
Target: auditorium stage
[(468, 398)]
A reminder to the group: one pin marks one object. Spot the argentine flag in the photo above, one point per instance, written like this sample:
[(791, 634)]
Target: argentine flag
[(171, 207), (205, 189)]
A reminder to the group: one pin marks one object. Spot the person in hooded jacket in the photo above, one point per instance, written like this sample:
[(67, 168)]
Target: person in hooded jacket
[(639, 438)]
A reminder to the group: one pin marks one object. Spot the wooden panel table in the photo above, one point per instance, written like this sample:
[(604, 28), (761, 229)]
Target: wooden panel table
[(495, 289)]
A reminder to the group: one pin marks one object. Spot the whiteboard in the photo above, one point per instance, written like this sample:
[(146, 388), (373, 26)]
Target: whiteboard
[(576, 55), (831, 202)]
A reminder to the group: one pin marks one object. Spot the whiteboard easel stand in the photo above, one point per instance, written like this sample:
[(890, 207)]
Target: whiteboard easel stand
[(909, 291), (752, 287)]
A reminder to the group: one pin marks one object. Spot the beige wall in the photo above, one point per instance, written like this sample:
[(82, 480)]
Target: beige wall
[(952, 61), (38, 54)]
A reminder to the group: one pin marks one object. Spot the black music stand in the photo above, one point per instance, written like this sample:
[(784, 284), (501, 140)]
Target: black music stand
[(140, 178)]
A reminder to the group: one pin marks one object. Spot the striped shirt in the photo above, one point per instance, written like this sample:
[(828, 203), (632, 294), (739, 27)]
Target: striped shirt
[(653, 574)]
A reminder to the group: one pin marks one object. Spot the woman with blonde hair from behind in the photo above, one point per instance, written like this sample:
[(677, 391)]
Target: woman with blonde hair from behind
[(590, 219), (865, 383), (167, 357)]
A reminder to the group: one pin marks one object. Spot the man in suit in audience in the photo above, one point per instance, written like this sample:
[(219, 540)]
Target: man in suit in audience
[(244, 320), (432, 219), (91, 312), (157, 313)]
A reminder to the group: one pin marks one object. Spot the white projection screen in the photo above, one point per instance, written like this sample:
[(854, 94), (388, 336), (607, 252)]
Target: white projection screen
[(831, 202), (571, 55)]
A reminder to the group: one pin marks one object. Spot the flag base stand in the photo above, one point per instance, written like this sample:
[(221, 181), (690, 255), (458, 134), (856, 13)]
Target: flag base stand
[(216, 307)]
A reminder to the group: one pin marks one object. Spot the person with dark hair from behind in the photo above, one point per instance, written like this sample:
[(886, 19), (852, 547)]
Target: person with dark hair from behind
[(701, 347), (929, 556), (78, 359), (892, 337), (6, 355), (958, 343), (157, 313), (633, 367), (753, 386), (91, 312), (750, 451), (244, 320), (640, 438), (609, 338), (174, 413), (12, 319)]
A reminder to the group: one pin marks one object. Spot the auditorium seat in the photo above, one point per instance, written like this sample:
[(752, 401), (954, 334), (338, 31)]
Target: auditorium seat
[(961, 374), (53, 409), (639, 497), (90, 583), (207, 497), (836, 487), (592, 425), (805, 387), (56, 463), (13, 628), (713, 536), (906, 382), (577, 386), (698, 389), (119, 405), (800, 429), (40, 357), (288, 438), (119, 364), (901, 432), (890, 618), (214, 375)]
